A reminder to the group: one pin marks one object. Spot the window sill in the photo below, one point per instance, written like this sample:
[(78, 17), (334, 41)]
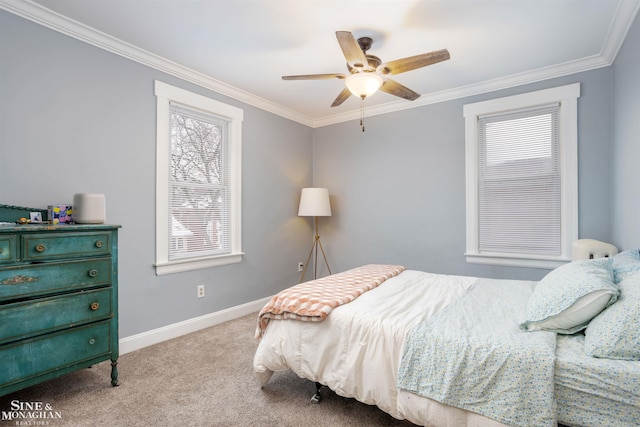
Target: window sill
[(180, 266), (516, 260)]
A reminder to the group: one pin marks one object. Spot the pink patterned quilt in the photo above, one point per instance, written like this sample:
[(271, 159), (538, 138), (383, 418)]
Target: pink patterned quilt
[(312, 301)]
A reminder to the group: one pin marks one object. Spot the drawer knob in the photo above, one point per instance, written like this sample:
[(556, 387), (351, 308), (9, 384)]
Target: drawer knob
[(94, 306), (92, 341), (99, 244), (40, 247), (93, 272)]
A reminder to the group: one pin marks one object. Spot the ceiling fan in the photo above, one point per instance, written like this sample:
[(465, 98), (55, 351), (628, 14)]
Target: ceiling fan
[(367, 73)]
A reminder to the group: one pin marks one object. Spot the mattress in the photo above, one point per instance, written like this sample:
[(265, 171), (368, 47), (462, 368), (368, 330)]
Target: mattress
[(592, 392), (473, 355)]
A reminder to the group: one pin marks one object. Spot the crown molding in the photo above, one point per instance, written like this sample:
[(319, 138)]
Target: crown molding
[(622, 22), (623, 19), (36, 13), (513, 80)]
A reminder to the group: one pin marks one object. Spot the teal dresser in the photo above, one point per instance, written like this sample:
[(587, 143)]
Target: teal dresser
[(58, 301)]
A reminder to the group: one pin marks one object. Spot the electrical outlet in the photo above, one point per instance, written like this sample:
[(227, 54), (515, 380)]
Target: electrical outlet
[(300, 266), (200, 291)]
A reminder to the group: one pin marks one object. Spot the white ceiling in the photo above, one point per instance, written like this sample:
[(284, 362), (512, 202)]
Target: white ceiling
[(241, 48)]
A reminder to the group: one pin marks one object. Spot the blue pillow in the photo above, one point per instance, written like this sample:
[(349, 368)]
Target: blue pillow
[(567, 298), (613, 334), (625, 264)]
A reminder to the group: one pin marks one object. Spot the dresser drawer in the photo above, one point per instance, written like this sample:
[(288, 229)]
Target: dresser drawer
[(32, 279), (25, 359), (65, 245), (7, 248), (37, 317)]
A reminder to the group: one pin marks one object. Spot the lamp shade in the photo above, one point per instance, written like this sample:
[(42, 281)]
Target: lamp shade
[(363, 84), (314, 202)]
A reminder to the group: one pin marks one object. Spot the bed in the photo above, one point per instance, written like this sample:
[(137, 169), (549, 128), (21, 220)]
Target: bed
[(446, 350)]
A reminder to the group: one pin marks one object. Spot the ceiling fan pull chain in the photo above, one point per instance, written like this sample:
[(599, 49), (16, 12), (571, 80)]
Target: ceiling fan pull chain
[(362, 113)]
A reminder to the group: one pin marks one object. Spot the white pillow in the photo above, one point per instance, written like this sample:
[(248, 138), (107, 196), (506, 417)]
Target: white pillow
[(626, 264), (613, 334), (567, 298)]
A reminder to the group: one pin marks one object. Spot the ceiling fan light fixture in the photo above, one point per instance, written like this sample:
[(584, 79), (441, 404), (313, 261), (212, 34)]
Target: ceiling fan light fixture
[(363, 84)]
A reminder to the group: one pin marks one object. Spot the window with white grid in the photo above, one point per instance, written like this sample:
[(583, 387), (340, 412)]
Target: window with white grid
[(198, 181), (521, 154)]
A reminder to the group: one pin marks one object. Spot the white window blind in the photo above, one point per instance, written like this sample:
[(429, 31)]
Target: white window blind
[(520, 181), (199, 184)]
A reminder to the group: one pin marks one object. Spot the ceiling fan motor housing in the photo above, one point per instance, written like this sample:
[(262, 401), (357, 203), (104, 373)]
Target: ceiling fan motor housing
[(373, 63)]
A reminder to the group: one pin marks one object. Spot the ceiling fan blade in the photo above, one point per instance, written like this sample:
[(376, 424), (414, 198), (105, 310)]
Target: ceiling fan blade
[(411, 63), (395, 88), (344, 95), (315, 77), (351, 49)]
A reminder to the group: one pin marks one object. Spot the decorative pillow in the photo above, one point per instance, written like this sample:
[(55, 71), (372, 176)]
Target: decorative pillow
[(613, 334), (567, 298), (625, 264)]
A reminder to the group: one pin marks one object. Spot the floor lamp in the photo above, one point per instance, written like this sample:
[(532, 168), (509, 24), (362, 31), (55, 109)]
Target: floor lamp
[(315, 202)]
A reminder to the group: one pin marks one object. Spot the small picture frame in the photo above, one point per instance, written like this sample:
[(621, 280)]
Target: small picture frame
[(36, 217)]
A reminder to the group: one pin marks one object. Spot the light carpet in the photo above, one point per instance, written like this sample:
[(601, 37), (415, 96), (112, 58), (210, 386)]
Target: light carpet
[(201, 379)]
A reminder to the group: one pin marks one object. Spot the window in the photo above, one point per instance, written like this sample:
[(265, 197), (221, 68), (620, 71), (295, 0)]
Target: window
[(522, 191), (198, 181)]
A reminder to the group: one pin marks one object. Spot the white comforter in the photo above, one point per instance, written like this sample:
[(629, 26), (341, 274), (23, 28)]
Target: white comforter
[(356, 350)]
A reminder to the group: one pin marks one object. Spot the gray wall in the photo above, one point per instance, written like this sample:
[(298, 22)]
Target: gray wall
[(626, 146), (76, 118), (399, 188)]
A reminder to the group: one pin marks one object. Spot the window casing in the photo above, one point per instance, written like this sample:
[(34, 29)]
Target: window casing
[(198, 186), (522, 178)]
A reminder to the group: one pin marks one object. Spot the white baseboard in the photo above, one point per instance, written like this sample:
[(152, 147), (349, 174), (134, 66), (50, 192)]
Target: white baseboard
[(145, 339)]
